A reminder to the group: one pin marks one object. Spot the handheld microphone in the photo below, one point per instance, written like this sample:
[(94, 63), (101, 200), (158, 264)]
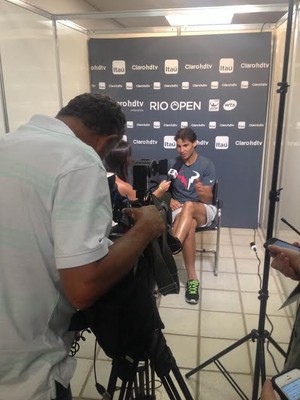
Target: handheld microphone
[(172, 174)]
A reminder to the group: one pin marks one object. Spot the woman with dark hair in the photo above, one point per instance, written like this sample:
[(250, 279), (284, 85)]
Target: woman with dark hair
[(118, 161)]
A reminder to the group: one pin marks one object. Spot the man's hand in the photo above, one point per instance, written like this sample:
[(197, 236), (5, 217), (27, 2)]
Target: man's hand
[(174, 204), (286, 261), (149, 218), (204, 192), (268, 391)]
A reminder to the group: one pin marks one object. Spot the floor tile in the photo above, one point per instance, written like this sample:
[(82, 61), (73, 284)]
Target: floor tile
[(183, 322), (185, 349), (82, 370), (220, 300), (221, 325), (247, 266), (222, 281)]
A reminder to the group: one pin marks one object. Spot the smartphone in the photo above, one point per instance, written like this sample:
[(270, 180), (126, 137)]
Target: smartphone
[(287, 385), (281, 243)]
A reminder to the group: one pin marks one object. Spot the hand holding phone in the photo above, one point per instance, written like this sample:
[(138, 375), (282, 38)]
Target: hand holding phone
[(281, 243), (287, 384)]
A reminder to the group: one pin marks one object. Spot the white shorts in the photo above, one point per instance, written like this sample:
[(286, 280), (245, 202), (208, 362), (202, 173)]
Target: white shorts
[(211, 212)]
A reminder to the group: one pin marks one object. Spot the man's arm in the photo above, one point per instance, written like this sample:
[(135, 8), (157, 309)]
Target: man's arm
[(84, 284), (205, 192)]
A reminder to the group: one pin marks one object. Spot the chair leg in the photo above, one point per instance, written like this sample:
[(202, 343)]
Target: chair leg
[(216, 269)]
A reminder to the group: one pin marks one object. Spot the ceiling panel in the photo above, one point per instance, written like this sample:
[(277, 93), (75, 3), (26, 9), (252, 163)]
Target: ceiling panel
[(90, 14)]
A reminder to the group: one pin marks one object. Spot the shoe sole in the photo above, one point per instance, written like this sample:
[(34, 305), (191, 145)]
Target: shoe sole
[(191, 301)]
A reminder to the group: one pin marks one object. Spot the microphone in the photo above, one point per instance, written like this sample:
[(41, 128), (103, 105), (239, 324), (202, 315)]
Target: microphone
[(172, 174)]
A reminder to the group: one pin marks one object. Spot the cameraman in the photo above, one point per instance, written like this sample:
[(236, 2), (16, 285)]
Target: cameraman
[(55, 255)]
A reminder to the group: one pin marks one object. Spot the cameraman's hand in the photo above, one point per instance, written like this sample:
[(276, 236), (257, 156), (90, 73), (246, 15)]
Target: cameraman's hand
[(286, 261), (149, 218), (268, 391)]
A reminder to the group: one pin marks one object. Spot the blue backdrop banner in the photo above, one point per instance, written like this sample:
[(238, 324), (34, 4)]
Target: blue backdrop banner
[(216, 84)]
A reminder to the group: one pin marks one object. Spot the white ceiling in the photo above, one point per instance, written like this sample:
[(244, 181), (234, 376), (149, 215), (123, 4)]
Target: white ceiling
[(126, 15)]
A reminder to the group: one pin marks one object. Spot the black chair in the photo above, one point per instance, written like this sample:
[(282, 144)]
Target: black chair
[(214, 226)]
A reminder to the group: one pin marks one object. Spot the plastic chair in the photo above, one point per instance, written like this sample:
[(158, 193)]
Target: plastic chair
[(214, 226)]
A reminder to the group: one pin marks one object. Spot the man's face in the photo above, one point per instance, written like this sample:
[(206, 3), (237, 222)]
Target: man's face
[(185, 148)]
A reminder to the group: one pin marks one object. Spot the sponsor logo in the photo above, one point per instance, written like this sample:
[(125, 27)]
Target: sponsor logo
[(256, 65), (214, 85), (129, 124), (184, 124), (198, 66), (197, 125), (226, 65), (98, 67), (143, 124), (212, 125), (129, 85), (118, 67), (145, 141), (229, 105), (171, 66), (156, 85), (131, 103), (156, 124), (169, 142), (214, 105), (229, 84), (222, 142), (259, 84), (256, 125), (124, 137), (203, 142), (248, 143), (142, 86), (241, 124), (185, 85), (170, 125), (175, 105), (171, 85), (226, 125), (244, 84), (144, 67), (115, 86), (200, 85), (102, 85)]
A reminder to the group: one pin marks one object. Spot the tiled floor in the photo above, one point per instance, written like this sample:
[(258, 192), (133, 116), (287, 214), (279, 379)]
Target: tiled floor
[(228, 310)]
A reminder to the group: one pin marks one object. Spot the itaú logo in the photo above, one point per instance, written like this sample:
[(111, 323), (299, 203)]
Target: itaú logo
[(175, 105), (230, 105)]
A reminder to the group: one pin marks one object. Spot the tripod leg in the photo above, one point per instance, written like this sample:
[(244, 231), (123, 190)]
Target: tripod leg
[(260, 367), (222, 353)]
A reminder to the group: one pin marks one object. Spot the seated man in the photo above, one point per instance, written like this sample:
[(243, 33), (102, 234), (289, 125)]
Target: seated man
[(191, 203)]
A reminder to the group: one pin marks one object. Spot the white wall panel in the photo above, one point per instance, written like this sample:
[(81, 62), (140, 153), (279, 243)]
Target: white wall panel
[(29, 65), (73, 60)]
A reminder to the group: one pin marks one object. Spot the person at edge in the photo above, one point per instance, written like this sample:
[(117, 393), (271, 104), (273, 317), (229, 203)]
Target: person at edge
[(55, 254)]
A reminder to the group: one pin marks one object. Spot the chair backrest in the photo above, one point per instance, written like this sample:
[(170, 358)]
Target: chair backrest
[(215, 191)]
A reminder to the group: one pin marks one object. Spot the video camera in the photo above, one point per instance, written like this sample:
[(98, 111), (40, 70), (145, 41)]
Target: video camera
[(146, 173)]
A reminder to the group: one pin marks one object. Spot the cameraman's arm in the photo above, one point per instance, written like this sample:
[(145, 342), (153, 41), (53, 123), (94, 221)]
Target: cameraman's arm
[(83, 285)]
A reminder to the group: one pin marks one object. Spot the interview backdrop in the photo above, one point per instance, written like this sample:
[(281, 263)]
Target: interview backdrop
[(215, 84)]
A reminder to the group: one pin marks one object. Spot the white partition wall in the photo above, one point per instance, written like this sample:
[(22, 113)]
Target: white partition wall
[(42, 67)]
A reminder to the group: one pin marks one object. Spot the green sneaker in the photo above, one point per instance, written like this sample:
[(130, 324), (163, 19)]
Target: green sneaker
[(192, 291)]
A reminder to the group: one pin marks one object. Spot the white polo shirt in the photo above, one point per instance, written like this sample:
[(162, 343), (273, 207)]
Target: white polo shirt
[(55, 213)]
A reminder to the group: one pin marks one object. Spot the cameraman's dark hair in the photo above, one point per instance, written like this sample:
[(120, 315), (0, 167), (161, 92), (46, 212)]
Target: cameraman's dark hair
[(117, 160), (186, 134), (100, 113)]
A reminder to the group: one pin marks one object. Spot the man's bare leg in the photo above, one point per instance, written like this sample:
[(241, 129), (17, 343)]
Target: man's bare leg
[(192, 215)]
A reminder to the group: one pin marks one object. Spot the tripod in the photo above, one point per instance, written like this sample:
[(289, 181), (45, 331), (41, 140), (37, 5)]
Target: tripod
[(260, 335), (138, 382)]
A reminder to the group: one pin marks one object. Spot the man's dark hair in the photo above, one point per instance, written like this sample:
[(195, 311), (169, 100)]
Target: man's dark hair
[(117, 160), (186, 134), (100, 113)]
